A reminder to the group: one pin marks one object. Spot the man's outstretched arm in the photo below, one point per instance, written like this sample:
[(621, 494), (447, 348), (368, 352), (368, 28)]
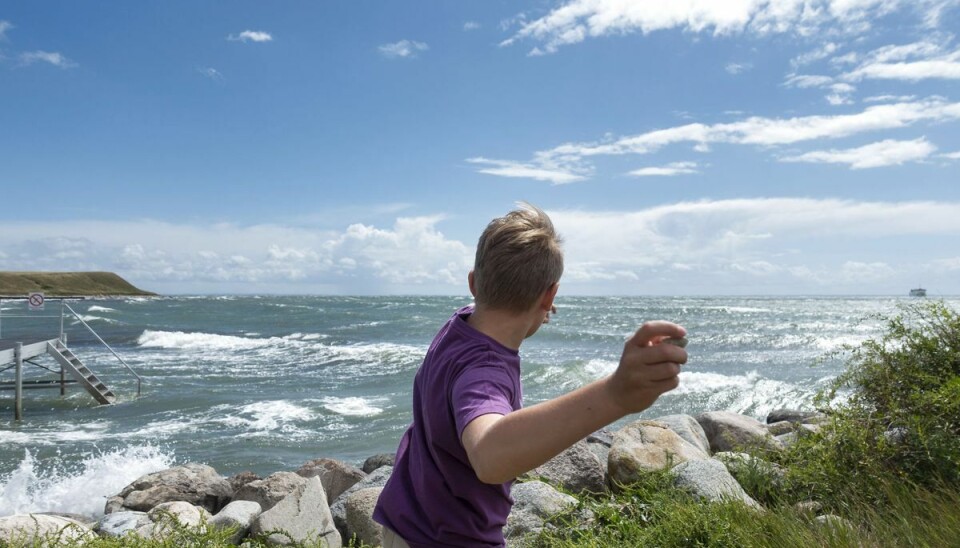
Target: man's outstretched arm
[(501, 447)]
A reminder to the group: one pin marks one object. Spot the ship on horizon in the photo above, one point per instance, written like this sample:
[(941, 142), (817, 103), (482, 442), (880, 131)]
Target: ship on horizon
[(918, 292)]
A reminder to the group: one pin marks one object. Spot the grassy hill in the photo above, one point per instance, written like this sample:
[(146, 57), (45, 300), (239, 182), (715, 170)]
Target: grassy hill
[(67, 284)]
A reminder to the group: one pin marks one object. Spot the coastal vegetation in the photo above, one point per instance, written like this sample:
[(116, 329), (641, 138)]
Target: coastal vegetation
[(879, 467), (67, 284)]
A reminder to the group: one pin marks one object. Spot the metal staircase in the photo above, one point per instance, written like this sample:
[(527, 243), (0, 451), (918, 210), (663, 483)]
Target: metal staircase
[(70, 362)]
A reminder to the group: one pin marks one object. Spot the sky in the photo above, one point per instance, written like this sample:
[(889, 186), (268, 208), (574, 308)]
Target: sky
[(692, 147)]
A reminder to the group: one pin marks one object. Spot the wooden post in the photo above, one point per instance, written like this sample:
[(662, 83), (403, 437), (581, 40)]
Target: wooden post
[(18, 396)]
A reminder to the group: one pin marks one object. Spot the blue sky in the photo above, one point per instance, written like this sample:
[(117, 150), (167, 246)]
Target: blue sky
[(694, 147)]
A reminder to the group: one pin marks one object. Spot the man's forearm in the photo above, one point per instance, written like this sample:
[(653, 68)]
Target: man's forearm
[(507, 446)]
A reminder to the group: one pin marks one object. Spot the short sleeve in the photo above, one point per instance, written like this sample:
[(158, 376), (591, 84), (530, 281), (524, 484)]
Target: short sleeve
[(480, 390)]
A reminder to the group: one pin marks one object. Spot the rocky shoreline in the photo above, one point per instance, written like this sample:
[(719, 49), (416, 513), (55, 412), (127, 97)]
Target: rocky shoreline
[(332, 501)]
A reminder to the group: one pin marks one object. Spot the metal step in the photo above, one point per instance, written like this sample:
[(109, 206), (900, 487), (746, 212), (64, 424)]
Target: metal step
[(70, 362)]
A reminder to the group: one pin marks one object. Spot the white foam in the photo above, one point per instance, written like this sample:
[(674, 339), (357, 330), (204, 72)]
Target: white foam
[(57, 433), (749, 394), (80, 488), (265, 417), (90, 318), (352, 406), (201, 341), (96, 308)]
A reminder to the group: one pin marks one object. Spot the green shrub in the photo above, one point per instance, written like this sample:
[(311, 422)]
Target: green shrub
[(901, 419)]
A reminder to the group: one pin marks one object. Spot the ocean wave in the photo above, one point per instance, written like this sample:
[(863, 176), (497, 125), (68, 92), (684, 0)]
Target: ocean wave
[(352, 406), (202, 341), (749, 394), (261, 418), (80, 487), (56, 433), (90, 318), (96, 308)]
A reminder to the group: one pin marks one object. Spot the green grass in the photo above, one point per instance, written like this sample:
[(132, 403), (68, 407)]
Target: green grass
[(73, 284)]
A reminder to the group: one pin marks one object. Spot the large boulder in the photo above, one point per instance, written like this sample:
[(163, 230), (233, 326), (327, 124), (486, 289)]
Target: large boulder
[(795, 416), (42, 530), (239, 480), (577, 470), (377, 461), (645, 446), (118, 524), (359, 506), (167, 517), (733, 432), (197, 484), (238, 515), (687, 428), (336, 476), (534, 503), (710, 480), (271, 489), (303, 517), (377, 478)]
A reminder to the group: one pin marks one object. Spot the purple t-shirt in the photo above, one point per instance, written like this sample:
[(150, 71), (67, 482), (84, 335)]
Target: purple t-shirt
[(433, 497)]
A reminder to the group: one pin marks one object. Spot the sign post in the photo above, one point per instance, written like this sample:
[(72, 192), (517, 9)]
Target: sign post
[(35, 301)]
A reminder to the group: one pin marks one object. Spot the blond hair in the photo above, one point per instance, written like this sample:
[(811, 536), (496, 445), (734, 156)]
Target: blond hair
[(518, 258)]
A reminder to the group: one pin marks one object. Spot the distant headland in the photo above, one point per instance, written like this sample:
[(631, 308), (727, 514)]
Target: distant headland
[(68, 284)]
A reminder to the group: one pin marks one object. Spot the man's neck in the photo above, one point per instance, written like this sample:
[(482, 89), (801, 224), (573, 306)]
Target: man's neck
[(507, 328)]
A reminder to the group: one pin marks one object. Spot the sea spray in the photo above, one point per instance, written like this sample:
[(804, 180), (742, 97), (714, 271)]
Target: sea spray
[(79, 487)]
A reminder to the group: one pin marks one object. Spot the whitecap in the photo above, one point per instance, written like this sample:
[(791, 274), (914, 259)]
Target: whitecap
[(201, 341), (81, 487), (96, 308), (351, 406)]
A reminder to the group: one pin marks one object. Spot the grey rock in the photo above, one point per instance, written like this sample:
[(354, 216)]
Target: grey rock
[(377, 461), (896, 435), (197, 484), (303, 516), (645, 446), (271, 489), (114, 504), (239, 515), (599, 443), (710, 480), (168, 516), (836, 523), (687, 428), (810, 507), (79, 518), (781, 428), (577, 469), (336, 476), (118, 523), (794, 416), (788, 439), (239, 480), (534, 503), (377, 478), (32, 529), (359, 506), (733, 432)]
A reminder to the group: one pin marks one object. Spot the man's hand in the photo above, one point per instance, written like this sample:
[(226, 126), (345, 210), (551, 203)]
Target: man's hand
[(647, 368)]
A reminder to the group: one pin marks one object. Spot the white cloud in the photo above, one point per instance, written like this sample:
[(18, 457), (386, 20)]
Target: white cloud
[(567, 162), (807, 80), (54, 58), (822, 52), (884, 153), (737, 68), (863, 273), (671, 169), (576, 20), (888, 98), (952, 155), (251, 36), (410, 256), (4, 27), (506, 168), (910, 62), (471, 25), (210, 73), (403, 48)]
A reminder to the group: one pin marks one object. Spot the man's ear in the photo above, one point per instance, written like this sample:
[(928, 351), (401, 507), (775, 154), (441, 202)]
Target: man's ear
[(470, 282), (546, 302)]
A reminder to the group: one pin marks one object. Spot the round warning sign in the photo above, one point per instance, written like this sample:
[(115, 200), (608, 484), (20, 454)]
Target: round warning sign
[(35, 300)]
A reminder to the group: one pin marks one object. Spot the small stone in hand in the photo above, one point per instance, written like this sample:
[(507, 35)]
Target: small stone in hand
[(680, 341)]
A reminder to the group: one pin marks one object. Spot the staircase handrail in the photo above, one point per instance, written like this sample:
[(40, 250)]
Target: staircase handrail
[(104, 343)]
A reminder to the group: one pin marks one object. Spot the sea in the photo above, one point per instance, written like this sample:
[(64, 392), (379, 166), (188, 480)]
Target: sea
[(266, 383)]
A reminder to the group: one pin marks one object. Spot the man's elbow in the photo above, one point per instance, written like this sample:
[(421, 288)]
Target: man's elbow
[(491, 474)]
